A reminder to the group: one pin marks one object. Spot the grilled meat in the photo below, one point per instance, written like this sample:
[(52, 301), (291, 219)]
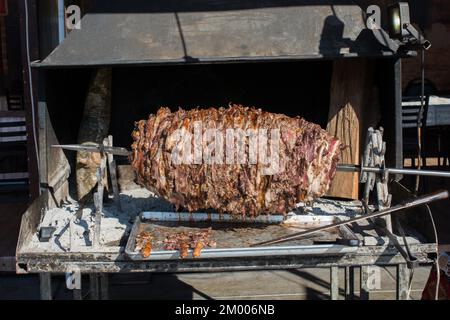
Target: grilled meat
[(144, 243), (183, 241), (293, 161)]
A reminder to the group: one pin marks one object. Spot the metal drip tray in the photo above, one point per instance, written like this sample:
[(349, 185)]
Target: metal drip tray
[(233, 235)]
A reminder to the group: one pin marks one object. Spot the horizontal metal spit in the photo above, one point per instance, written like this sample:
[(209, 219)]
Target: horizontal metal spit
[(381, 170), (340, 167)]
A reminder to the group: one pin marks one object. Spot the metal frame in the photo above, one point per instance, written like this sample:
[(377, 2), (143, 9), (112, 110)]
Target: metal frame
[(34, 54), (99, 264), (367, 257), (103, 263)]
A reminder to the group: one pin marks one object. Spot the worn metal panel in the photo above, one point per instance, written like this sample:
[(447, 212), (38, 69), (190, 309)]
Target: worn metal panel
[(196, 31), (377, 257), (89, 263)]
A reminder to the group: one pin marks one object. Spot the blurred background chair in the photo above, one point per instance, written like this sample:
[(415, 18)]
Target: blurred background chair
[(14, 101), (411, 120), (14, 178)]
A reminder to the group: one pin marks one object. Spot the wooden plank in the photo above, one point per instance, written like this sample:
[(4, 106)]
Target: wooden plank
[(351, 93)]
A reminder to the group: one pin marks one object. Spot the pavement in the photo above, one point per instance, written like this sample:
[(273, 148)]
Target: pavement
[(298, 284)]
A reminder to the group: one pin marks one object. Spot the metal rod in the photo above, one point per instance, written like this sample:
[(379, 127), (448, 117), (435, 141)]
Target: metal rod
[(439, 195), (358, 168), (118, 151)]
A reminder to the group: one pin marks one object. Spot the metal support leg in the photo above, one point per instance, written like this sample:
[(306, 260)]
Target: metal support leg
[(104, 286), (45, 280), (77, 290), (94, 286), (349, 283), (364, 277), (352, 281), (334, 283), (73, 282), (402, 282), (77, 294)]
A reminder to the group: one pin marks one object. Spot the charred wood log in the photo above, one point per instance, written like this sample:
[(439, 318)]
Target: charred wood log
[(93, 129)]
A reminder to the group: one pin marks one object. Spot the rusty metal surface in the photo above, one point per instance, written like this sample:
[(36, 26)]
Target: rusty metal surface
[(205, 31)]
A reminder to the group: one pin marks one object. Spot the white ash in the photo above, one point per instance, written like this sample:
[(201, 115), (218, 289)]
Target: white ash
[(325, 211), (325, 207), (115, 224)]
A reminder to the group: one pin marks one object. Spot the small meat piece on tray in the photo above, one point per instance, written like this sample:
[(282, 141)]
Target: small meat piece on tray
[(183, 241), (197, 249), (144, 243), (236, 160)]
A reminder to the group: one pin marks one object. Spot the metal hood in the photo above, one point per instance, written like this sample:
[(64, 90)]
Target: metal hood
[(124, 32)]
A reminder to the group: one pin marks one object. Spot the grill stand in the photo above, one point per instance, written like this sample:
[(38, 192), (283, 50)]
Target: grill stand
[(99, 264), (367, 257), (99, 286)]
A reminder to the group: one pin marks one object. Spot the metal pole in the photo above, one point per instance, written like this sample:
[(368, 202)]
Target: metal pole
[(45, 280), (364, 288), (357, 168)]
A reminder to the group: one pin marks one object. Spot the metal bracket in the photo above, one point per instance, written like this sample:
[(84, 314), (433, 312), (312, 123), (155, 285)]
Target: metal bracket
[(374, 157)]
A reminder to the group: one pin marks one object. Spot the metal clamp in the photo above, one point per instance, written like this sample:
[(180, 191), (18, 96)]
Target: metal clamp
[(374, 157)]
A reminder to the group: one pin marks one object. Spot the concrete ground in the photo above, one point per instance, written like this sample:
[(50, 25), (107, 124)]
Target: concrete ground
[(300, 284)]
